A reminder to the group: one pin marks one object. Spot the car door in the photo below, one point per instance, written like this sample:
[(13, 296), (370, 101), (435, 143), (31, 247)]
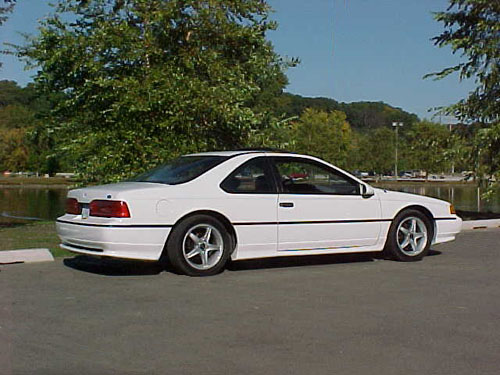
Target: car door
[(320, 208), (251, 204)]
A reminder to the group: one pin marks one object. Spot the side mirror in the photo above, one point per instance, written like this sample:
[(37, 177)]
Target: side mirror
[(367, 191)]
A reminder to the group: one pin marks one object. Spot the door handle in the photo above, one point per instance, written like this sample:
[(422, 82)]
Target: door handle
[(286, 204)]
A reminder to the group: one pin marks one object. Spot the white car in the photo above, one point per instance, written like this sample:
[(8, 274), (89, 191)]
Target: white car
[(199, 210)]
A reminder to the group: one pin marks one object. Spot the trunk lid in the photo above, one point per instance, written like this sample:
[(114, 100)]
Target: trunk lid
[(119, 191)]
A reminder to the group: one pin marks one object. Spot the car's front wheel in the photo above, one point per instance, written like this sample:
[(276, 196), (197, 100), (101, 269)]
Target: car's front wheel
[(409, 237), (199, 246)]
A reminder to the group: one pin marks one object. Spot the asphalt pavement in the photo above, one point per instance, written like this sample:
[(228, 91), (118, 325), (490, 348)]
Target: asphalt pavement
[(349, 314)]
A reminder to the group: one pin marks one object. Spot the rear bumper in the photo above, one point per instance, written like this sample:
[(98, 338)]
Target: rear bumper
[(144, 243), (447, 229)]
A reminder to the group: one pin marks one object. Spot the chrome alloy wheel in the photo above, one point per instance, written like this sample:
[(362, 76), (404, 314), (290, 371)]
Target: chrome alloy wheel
[(202, 246), (412, 236)]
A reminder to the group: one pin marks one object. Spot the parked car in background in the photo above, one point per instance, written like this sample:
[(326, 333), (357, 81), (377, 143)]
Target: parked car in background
[(200, 210), (406, 174)]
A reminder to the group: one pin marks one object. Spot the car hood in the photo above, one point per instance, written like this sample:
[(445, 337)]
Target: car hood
[(390, 195)]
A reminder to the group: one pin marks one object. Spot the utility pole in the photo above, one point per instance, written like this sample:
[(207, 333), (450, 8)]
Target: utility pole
[(396, 125)]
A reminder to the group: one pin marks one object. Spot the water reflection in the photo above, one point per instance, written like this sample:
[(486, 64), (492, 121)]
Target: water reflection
[(43, 203), (464, 197)]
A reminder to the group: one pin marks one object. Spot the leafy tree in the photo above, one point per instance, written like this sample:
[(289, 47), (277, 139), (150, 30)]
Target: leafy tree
[(13, 150), (487, 152), (5, 9), (458, 153), (472, 28), (15, 116), (11, 93), (144, 80), (323, 134), (20, 110), (376, 150), (427, 140)]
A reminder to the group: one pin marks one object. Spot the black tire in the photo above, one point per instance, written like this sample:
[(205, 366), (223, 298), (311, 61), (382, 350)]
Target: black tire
[(410, 236), (208, 256)]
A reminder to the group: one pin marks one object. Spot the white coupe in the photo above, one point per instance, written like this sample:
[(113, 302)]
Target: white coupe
[(199, 210)]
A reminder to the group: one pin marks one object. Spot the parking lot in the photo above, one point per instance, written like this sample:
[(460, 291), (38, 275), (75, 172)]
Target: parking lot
[(349, 314)]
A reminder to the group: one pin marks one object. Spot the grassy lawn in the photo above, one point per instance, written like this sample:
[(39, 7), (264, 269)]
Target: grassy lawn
[(35, 181), (40, 234)]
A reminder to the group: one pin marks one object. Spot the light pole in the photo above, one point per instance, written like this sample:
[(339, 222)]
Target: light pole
[(396, 125)]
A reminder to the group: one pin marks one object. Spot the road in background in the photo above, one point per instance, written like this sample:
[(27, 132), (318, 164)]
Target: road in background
[(311, 315)]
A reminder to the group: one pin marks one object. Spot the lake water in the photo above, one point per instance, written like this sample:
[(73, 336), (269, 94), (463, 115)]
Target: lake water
[(36, 202), (48, 203), (465, 197)]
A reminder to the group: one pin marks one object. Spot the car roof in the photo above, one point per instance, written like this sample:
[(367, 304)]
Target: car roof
[(241, 152)]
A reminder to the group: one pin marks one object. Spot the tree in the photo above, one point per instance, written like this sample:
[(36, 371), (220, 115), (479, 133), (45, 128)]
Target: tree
[(458, 152), (15, 119), (13, 150), (145, 80), (376, 150), (427, 141), (15, 116), (11, 93), (488, 154), (25, 144), (5, 9), (325, 135), (472, 28)]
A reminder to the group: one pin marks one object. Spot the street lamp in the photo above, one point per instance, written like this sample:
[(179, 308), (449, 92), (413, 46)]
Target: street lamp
[(396, 125)]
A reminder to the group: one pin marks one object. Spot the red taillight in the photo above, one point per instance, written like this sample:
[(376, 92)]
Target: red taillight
[(73, 207), (104, 208)]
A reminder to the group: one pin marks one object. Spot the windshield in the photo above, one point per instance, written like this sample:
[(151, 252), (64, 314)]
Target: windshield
[(180, 170)]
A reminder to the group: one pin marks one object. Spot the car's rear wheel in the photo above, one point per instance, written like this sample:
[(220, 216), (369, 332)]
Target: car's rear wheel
[(199, 246), (409, 237)]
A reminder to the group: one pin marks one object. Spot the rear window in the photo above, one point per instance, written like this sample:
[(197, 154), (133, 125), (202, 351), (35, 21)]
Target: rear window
[(180, 170)]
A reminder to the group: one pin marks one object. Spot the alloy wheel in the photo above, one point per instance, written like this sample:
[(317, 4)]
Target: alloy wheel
[(412, 236), (203, 246)]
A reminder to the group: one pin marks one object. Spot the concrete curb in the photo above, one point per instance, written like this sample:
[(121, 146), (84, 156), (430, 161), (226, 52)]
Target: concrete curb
[(480, 224), (25, 256)]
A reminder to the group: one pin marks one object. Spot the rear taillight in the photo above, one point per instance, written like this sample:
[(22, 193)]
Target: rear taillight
[(73, 207), (104, 208)]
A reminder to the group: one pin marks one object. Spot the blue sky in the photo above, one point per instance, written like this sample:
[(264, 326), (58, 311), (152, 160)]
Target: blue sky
[(350, 50)]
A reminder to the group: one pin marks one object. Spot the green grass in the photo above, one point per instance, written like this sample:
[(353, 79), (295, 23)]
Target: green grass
[(35, 181), (40, 234)]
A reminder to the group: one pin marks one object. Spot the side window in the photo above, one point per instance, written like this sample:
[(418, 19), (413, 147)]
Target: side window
[(306, 177), (253, 177)]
